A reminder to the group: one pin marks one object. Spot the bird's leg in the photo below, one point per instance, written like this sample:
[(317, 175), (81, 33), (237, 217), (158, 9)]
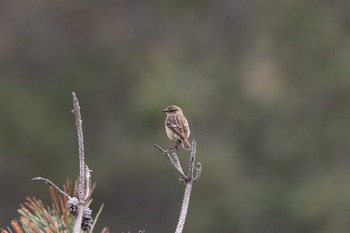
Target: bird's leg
[(178, 142)]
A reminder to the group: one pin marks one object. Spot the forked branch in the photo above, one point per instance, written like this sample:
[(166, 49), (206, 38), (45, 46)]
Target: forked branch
[(194, 172)]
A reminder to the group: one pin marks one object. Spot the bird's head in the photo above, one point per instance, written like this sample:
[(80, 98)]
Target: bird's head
[(172, 109)]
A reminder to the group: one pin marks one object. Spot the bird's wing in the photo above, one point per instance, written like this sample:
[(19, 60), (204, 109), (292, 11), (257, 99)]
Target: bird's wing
[(186, 129), (176, 124)]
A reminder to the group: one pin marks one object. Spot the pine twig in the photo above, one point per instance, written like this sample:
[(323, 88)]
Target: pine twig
[(47, 181)]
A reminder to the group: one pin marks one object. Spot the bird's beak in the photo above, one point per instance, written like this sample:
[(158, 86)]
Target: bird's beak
[(165, 110)]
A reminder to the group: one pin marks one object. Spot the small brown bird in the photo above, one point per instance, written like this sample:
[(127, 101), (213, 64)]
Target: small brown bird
[(176, 126)]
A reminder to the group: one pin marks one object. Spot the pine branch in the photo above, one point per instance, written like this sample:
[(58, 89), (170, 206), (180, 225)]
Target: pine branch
[(36, 218)]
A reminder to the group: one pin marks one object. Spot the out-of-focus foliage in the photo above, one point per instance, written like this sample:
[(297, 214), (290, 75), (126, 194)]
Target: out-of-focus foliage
[(264, 84)]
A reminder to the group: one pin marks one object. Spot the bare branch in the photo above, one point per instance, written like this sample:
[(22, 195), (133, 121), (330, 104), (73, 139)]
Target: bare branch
[(165, 153), (188, 188), (192, 160), (47, 181), (78, 124), (184, 208), (176, 162), (172, 156), (194, 173)]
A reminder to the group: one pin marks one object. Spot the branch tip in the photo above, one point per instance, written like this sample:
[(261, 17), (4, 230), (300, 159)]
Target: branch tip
[(47, 181)]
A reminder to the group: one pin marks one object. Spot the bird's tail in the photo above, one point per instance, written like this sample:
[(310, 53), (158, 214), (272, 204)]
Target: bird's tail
[(186, 144)]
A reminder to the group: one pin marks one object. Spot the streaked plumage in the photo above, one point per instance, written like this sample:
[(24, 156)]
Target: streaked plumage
[(176, 126)]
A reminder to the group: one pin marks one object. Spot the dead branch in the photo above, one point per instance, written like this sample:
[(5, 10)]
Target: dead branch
[(194, 172), (47, 181)]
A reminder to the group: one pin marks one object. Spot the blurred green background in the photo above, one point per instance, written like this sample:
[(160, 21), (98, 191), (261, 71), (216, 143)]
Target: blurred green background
[(264, 84)]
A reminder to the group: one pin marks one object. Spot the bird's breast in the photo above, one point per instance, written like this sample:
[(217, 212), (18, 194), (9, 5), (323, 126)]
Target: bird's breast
[(170, 134)]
